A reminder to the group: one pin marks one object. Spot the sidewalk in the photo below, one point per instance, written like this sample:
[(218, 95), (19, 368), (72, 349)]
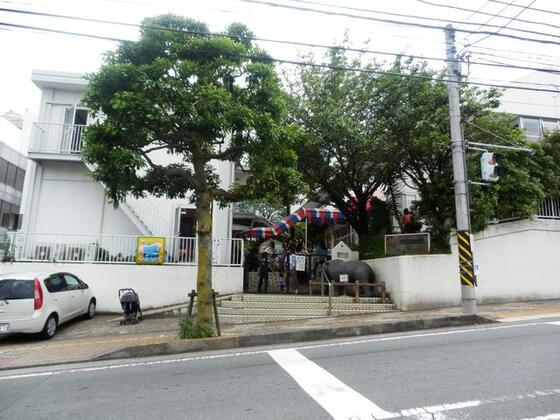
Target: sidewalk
[(103, 337)]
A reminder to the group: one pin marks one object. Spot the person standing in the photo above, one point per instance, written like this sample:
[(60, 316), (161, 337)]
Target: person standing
[(264, 268), (406, 220)]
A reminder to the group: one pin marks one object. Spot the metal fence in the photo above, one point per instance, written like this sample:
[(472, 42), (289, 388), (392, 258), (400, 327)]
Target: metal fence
[(549, 208), (57, 138), (41, 247)]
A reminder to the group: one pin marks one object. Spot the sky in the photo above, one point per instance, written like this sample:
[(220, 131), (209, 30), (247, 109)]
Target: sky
[(24, 50)]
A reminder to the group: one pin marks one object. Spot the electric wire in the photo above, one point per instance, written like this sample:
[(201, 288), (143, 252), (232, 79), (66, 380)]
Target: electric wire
[(413, 24), (296, 62), (270, 40), (529, 8), (505, 25), (492, 15)]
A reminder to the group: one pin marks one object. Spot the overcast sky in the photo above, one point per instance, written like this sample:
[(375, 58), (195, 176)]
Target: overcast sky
[(24, 50)]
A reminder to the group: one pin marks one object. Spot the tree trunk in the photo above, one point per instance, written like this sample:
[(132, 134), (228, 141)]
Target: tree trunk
[(204, 276)]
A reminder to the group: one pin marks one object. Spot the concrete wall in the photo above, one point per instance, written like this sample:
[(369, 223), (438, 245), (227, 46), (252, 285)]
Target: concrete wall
[(66, 200), (518, 261), (537, 104), (157, 286)]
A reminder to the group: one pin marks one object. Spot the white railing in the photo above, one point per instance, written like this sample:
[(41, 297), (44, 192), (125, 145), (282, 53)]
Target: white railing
[(56, 138), (149, 215), (549, 208), (44, 247)]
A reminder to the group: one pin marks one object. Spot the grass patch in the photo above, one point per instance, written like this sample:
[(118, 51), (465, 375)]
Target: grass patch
[(190, 328)]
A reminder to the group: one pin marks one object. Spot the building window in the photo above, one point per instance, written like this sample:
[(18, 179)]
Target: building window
[(3, 170), (20, 177), (549, 125), (536, 128), (10, 217), (532, 127)]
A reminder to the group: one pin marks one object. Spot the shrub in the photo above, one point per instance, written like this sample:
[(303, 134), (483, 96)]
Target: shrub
[(190, 328)]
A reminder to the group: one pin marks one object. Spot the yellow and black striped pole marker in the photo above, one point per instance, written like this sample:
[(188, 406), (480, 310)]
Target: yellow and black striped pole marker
[(466, 262)]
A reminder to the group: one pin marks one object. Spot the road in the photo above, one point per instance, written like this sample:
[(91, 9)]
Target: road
[(497, 371)]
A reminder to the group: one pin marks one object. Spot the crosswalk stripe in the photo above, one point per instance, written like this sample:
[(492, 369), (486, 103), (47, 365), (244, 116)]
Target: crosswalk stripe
[(337, 398)]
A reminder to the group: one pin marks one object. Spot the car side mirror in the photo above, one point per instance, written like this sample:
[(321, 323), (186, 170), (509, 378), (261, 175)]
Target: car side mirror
[(85, 286)]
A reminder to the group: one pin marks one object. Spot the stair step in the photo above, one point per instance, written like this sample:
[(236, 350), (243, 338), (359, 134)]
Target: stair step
[(303, 311), (300, 298), (246, 319), (305, 305)]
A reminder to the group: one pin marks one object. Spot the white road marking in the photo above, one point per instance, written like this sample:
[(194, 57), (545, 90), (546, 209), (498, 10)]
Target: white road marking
[(555, 416), (249, 353), (555, 323), (421, 411), (530, 317), (337, 398), (439, 408)]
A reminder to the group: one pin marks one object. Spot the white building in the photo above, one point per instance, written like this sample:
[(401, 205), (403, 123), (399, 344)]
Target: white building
[(12, 172), (63, 198), (69, 225), (537, 111)]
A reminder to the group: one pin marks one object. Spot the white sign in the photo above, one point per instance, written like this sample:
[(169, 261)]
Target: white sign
[(300, 262), (343, 252), (343, 278), (4, 327)]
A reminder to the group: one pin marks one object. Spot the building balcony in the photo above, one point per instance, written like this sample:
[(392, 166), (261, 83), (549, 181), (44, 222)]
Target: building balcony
[(56, 141)]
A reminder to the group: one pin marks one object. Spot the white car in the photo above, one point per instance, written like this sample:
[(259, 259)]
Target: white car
[(39, 303)]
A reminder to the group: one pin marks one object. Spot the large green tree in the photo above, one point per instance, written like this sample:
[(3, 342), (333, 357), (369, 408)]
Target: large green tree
[(416, 117), (366, 132), (341, 152), (197, 97)]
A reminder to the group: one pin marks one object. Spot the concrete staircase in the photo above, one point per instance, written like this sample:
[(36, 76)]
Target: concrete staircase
[(249, 308)]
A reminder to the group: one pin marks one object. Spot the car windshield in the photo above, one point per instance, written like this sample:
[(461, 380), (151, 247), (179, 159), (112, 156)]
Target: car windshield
[(16, 289)]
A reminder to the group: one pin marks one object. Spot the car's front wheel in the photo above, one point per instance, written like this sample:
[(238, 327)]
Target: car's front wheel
[(90, 310), (49, 330)]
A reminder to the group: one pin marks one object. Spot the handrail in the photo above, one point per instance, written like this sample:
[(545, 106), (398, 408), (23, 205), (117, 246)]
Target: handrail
[(357, 285)]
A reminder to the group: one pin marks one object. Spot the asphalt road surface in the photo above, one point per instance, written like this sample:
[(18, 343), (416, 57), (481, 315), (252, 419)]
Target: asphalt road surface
[(498, 371)]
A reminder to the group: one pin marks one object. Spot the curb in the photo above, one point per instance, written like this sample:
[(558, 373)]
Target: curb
[(286, 337)]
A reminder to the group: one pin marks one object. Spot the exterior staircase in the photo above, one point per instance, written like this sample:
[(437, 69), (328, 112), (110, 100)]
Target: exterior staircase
[(250, 308)]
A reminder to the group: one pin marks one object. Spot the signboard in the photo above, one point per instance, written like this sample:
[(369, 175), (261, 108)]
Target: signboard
[(150, 250), (300, 262), (407, 244), (343, 278), (343, 252)]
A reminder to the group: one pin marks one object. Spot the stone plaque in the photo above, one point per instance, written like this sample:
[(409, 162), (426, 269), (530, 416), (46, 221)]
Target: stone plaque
[(407, 244)]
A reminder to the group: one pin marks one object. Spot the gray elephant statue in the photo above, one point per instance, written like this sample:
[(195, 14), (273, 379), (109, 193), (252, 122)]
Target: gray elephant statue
[(357, 271)]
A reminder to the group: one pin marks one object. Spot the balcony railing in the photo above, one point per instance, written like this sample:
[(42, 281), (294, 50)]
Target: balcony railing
[(549, 208), (103, 249), (56, 138)]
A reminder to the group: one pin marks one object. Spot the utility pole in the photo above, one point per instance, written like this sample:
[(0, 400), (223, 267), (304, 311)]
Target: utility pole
[(460, 183)]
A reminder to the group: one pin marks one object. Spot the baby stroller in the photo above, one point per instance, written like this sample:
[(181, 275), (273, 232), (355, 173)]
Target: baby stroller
[(130, 303)]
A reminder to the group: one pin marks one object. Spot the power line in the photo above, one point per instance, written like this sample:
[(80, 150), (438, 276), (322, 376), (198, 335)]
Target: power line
[(297, 63), (507, 141), (465, 46), (270, 40), (59, 31), (506, 24), (518, 52), (493, 56), (529, 8), (318, 3), (414, 24), (492, 15)]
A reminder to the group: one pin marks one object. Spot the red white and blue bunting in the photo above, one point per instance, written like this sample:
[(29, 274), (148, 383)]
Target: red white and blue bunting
[(315, 216)]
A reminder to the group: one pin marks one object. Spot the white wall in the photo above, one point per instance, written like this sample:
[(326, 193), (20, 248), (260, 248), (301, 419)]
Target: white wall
[(58, 179), (538, 104), (67, 200), (157, 286), (519, 261), (419, 281)]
